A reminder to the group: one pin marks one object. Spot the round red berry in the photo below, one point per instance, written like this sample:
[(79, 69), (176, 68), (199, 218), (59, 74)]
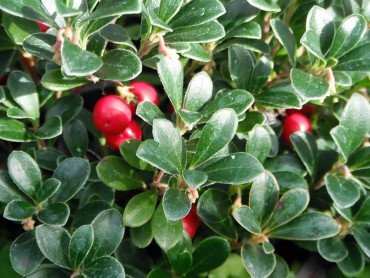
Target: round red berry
[(191, 221), (43, 27), (293, 123), (132, 131), (306, 109), (143, 92), (111, 114)]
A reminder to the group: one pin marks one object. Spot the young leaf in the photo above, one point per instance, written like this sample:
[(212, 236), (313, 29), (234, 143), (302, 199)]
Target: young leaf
[(176, 204), (49, 187), (257, 262), (194, 178), (332, 249), (344, 193), (246, 218), (55, 214), (80, 245), (140, 209)]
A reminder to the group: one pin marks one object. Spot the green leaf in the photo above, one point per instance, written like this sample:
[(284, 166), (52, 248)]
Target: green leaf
[(119, 64), (53, 242), (107, 267), (290, 205), (25, 173), (209, 254), (108, 233), (355, 60), (49, 271), (55, 81), (97, 191), (307, 86), (128, 150), (361, 235), (263, 196), (354, 125), (344, 193), (332, 249), (261, 73), (236, 168), (305, 145), (268, 248), (76, 138), (348, 35), (79, 62), (148, 111), (206, 32), (25, 255), (197, 53), (155, 20), (40, 45), (247, 30), (116, 34), (80, 245), (166, 233), (66, 11), (217, 133), (176, 204), (47, 158), (281, 268), (199, 91), (257, 262), (172, 77), (140, 209), (168, 9), (67, 108), (122, 178), (86, 214), (18, 210), (308, 226), (354, 263), (14, 131), (238, 100), (240, 63), (251, 119), (180, 256), (194, 178), (8, 190), (23, 91), (49, 187), (73, 174), (197, 12), (246, 218), (110, 8), (141, 236), (265, 5), (18, 28), (285, 37), (50, 129), (55, 214), (259, 143)]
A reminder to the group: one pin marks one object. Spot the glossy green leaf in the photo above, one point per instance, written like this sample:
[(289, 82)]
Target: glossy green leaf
[(76, 138), (354, 263), (308, 226), (116, 34), (8, 190), (172, 77), (344, 193), (251, 119), (18, 210), (49, 271), (67, 108), (14, 131), (141, 236), (246, 218), (176, 204), (73, 174), (25, 173), (307, 86), (40, 45), (290, 205), (199, 91), (240, 63), (87, 213), (263, 196), (80, 245), (148, 111), (79, 62), (166, 233), (349, 33), (268, 248), (123, 178), (50, 129), (55, 214), (18, 28), (247, 30), (49, 187), (257, 263), (25, 255), (154, 20), (217, 133), (110, 8), (107, 267), (55, 81), (180, 256), (355, 60), (53, 242), (332, 249), (168, 9), (361, 235), (285, 37), (236, 168), (197, 53), (140, 209), (209, 254), (281, 268), (119, 64), (265, 5), (194, 178), (261, 73), (259, 143), (128, 150), (47, 158)]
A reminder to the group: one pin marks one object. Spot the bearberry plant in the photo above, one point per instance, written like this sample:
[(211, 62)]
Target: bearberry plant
[(184, 138)]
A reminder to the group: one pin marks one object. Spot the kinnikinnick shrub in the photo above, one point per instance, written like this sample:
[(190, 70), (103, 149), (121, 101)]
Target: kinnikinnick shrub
[(184, 138)]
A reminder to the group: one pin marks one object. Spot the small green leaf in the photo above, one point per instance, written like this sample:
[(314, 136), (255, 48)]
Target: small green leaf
[(49, 271), (55, 214), (53, 242), (49, 187), (259, 143), (8, 190), (47, 158), (117, 34), (265, 5), (361, 235), (240, 63), (194, 178), (354, 263), (80, 245), (148, 111), (18, 28), (217, 133), (308, 226), (140, 209), (122, 178), (76, 138), (261, 73), (246, 218), (25, 255), (355, 60), (285, 37), (141, 236), (168, 9), (332, 249), (50, 129), (14, 131), (40, 45), (180, 256), (268, 248), (128, 150), (55, 81), (281, 268), (199, 91), (247, 30), (18, 210), (166, 233), (79, 62), (110, 8), (344, 193), (251, 119), (107, 267), (257, 262), (176, 204), (67, 108), (307, 86), (197, 53)]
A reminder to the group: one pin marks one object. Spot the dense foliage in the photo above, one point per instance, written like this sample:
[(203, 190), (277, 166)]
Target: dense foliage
[(252, 161)]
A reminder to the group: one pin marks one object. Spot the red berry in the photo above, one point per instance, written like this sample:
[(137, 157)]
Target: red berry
[(293, 123), (132, 131), (191, 221), (111, 114), (143, 91), (43, 27), (170, 108), (306, 109), (3, 80)]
